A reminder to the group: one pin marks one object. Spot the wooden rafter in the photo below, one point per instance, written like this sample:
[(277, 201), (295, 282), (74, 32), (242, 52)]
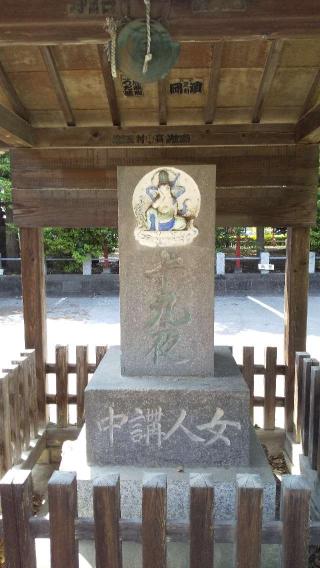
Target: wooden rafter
[(267, 78), (109, 86), (11, 93), (211, 106), (162, 97), (164, 136), (311, 96), (58, 85), (14, 130), (308, 127)]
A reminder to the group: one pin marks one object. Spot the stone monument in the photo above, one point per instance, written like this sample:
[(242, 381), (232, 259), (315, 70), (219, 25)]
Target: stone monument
[(167, 398)]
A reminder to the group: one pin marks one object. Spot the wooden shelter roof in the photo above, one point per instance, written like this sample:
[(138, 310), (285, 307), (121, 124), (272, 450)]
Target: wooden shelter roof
[(232, 84)]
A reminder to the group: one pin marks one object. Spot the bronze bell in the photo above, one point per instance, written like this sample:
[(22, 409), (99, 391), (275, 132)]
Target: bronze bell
[(131, 51)]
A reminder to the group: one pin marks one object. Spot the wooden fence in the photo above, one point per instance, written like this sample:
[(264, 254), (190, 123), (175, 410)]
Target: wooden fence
[(109, 530), (269, 371), (18, 410), (308, 407), (62, 368)]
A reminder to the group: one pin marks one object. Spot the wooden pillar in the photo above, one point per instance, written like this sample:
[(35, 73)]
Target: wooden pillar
[(34, 306), (296, 309)]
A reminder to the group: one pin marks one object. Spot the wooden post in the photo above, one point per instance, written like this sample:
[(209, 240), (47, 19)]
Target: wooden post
[(298, 388), (62, 357), (106, 504), (306, 378), (154, 513), (314, 417), (201, 521), (82, 380), (296, 308), (34, 306), (16, 501), (295, 511), (101, 350), (270, 388), (248, 373), (249, 521), (62, 491)]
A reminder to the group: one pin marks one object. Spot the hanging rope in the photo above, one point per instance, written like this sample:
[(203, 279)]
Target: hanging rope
[(148, 55), (111, 26)]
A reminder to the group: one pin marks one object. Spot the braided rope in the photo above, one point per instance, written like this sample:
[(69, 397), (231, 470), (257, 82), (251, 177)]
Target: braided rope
[(148, 56), (111, 26)]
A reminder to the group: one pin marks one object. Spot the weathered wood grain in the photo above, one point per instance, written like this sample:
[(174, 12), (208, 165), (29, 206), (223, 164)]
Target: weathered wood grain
[(296, 308), (270, 388), (249, 521), (201, 522), (82, 379), (164, 136), (248, 373), (62, 492), (16, 502), (5, 425), (314, 417), (65, 22), (295, 511), (106, 503), (298, 389), (34, 307), (211, 106), (11, 93), (62, 385), (305, 402), (308, 127), (14, 130), (57, 83), (101, 350), (109, 86), (267, 78), (154, 512)]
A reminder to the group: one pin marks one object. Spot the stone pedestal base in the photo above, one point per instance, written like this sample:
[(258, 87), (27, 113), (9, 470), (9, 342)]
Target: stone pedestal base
[(74, 459), (168, 421), (313, 479)]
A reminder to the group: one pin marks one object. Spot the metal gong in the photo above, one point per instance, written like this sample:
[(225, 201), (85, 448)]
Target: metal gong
[(131, 51)]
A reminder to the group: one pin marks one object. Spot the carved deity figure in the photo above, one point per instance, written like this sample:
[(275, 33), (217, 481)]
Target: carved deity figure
[(166, 202)]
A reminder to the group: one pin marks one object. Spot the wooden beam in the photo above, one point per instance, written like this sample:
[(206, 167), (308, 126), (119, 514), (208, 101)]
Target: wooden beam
[(34, 307), (14, 131), (69, 21), (267, 78), (162, 98), (312, 94), (296, 309), (11, 93), (109, 86), (250, 180), (165, 136), (58, 85), (210, 110), (308, 127)]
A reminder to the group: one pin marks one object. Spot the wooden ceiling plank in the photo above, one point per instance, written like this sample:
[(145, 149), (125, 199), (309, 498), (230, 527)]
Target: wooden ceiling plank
[(308, 127), (11, 93), (211, 107), (109, 86), (14, 130), (57, 84), (267, 78), (162, 96), (315, 87)]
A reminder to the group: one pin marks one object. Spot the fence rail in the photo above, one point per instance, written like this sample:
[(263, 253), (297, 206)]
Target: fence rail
[(108, 530)]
